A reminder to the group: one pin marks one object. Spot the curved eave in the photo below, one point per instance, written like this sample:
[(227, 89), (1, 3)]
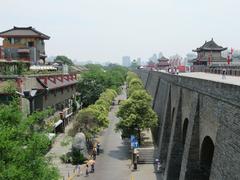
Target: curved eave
[(25, 36), (209, 49)]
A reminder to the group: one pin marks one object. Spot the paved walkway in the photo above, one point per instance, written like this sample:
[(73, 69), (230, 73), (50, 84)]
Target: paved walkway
[(112, 164), (58, 149), (235, 80)]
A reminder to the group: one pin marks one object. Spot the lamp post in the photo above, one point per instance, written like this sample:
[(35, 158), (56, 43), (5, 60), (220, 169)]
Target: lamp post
[(29, 95)]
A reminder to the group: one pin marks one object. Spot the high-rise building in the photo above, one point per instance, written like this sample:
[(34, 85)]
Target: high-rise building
[(139, 61), (153, 58), (126, 61)]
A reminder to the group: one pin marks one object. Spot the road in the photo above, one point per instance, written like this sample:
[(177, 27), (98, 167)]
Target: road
[(113, 163)]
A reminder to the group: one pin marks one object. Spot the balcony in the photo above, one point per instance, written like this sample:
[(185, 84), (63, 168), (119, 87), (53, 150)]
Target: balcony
[(12, 55)]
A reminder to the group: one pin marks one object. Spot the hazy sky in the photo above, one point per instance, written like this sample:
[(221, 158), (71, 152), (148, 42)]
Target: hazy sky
[(105, 30)]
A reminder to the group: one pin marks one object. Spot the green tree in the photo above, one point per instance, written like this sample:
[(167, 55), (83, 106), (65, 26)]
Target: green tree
[(63, 60), (22, 149), (92, 119), (136, 114), (97, 79), (135, 84), (130, 76)]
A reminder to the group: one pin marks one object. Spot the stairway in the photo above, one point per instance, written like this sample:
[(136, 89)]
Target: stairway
[(146, 155)]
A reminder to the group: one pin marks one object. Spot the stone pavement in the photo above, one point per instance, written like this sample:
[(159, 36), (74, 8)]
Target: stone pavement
[(113, 163), (146, 172), (235, 80), (59, 149)]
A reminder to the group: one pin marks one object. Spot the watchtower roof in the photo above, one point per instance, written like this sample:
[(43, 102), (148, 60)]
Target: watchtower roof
[(210, 46), (163, 59), (23, 32)]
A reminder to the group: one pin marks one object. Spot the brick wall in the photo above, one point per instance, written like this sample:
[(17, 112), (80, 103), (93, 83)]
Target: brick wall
[(212, 109)]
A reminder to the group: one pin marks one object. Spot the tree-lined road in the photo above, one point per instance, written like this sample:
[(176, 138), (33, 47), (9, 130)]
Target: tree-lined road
[(113, 163)]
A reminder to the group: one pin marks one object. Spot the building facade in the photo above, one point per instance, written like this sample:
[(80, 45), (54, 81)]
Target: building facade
[(209, 54), (163, 63), (23, 44), (126, 61)]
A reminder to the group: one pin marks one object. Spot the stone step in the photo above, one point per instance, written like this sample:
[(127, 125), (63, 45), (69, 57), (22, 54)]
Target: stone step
[(146, 155)]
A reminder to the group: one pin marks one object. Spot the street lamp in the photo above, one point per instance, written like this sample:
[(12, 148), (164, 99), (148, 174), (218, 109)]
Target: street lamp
[(29, 95)]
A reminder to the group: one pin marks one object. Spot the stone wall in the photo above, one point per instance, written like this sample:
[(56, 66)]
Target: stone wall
[(199, 129)]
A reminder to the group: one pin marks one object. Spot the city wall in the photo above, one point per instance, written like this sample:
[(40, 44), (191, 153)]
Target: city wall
[(199, 128)]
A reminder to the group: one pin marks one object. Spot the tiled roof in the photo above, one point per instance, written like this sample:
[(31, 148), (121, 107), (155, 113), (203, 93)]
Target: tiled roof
[(58, 83), (213, 59), (23, 32), (163, 59), (210, 46), (163, 63)]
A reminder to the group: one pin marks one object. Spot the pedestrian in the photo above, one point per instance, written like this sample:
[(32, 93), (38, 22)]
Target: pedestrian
[(92, 168), (224, 73), (87, 172), (135, 159), (94, 153), (169, 70), (78, 170), (98, 148), (177, 71), (159, 166)]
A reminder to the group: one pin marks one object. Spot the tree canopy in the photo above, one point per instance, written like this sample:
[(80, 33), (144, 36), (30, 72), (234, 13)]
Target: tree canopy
[(92, 119), (97, 79), (22, 149), (136, 113), (63, 60)]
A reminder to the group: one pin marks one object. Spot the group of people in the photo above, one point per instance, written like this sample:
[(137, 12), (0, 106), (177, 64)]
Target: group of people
[(173, 70), (91, 162)]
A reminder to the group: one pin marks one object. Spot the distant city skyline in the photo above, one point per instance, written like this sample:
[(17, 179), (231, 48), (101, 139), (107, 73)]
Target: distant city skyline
[(107, 30)]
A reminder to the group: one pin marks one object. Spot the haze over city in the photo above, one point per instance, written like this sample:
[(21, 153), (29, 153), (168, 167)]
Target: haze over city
[(106, 30)]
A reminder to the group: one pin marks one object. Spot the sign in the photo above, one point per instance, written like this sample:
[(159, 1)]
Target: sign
[(134, 142)]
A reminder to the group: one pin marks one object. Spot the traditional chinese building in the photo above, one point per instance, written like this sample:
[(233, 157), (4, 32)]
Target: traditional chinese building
[(209, 54), (23, 44), (163, 63), (40, 92)]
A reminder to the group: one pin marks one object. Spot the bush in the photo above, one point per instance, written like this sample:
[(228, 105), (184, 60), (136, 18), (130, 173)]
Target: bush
[(66, 158), (77, 157)]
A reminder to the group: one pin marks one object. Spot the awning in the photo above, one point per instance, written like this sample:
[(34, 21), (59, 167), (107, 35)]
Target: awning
[(58, 123), (51, 136), (43, 55), (68, 115), (23, 50), (34, 67)]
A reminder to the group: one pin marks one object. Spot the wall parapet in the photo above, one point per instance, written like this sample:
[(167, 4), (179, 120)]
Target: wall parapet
[(228, 93)]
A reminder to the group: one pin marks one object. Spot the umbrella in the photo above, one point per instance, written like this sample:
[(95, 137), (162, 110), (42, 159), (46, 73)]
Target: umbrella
[(91, 162)]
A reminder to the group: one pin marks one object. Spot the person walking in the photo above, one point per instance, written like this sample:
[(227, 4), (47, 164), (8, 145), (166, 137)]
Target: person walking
[(224, 73), (78, 170), (87, 172), (98, 148), (92, 168), (94, 153)]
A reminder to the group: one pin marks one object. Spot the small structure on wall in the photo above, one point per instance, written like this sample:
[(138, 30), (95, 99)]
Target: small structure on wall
[(209, 54), (163, 63)]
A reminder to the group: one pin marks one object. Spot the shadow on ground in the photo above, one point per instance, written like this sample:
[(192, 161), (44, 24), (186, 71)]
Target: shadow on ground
[(120, 153)]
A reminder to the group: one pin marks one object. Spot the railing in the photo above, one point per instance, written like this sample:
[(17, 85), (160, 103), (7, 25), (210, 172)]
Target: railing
[(232, 70), (9, 59)]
